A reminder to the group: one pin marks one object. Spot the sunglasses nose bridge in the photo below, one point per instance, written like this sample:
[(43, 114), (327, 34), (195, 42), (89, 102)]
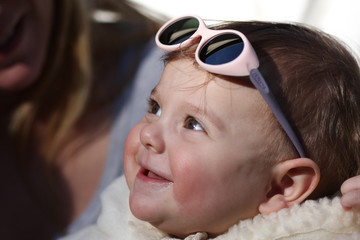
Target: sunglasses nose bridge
[(205, 35)]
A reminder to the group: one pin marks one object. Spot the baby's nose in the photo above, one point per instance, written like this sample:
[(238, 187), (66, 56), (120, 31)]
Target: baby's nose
[(151, 136)]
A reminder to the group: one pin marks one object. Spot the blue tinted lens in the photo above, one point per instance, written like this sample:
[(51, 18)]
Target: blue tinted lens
[(179, 31), (222, 49)]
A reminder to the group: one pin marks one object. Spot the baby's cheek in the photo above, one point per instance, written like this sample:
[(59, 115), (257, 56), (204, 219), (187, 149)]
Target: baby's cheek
[(131, 148), (193, 191)]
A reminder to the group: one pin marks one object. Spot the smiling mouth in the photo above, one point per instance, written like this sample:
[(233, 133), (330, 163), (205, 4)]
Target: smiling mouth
[(151, 174)]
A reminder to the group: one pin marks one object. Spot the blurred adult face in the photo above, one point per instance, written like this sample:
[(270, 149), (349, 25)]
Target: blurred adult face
[(25, 27)]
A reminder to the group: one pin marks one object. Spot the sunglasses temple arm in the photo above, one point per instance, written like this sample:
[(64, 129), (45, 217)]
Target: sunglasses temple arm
[(259, 82)]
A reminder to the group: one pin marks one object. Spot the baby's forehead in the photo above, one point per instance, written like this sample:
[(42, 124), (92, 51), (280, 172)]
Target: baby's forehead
[(183, 77), (186, 67), (186, 71)]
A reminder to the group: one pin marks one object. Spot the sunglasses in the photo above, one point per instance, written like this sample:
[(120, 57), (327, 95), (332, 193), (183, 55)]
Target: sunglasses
[(225, 52)]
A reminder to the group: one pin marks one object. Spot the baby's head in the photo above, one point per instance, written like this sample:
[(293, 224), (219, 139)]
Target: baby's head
[(210, 152)]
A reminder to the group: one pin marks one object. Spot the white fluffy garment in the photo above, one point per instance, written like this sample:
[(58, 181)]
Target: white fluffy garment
[(324, 219)]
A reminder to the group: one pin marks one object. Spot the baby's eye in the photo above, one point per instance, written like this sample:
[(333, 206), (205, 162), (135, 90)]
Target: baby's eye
[(154, 107), (192, 123)]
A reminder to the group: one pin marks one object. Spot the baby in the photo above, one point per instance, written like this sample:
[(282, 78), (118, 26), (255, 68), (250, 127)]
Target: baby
[(234, 142)]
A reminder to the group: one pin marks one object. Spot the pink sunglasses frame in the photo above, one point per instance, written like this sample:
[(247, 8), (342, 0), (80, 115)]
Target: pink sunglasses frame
[(248, 57)]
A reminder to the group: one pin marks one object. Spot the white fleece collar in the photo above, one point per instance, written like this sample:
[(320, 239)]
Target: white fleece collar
[(324, 219)]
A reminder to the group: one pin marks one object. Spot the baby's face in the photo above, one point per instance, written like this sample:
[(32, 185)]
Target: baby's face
[(195, 162)]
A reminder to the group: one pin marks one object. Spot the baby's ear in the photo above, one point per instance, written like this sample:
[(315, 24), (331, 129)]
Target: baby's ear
[(292, 182)]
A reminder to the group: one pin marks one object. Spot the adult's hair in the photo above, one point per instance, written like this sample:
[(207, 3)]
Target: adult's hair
[(56, 100), (66, 102), (316, 81), (65, 93)]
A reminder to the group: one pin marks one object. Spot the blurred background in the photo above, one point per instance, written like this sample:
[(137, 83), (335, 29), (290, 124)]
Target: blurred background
[(338, 17)]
